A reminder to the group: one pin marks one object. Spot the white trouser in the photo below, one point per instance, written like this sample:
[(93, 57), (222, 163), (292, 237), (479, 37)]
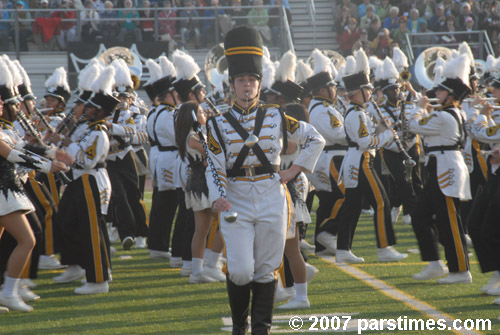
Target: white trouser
[(256, 241)]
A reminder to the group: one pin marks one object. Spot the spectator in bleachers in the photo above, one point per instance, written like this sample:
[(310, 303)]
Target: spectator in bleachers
[(489, 20), (451, 7), (98, 6), (90, 22), (363, 43), (339, 9), (425, 8), (373, 29), (469, 38), (465, 12), (392, 22), (427, 40), (404, 8), (43, 20), (109, 26), (4, 29), (449, 27), (381, 45), (25, 24), (131, 25), (399, 34), (476, 7), (350, 35), (275, 21), (190, 25), (415, 21), (383, 9), (343, 21), (167, 23), (148, 25), (67, 27), (362, 8), (259, 19), (370, 16), (210, 21), (238, 14), (438, 20)]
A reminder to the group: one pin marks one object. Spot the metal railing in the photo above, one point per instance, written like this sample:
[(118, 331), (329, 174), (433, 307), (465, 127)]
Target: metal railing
[(284, 40), (311, 10)]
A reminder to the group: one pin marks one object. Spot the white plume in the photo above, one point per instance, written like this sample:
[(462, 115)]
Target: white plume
[(389, 69), (375, 62), (105, 82), (454, 54), (491, 64), (185, 65), (399, 58), (122, 73), (379, 72), (438, 75), (217, 80), (58, 78), (286, 68), (362, 64), (458, 68), (464, 49), (321, 62), (268, 72), (167, 67), (303, 72), (5, 78), (350, 66), (266, 52), (440, 61), (17, 79), (333, 69), (88, 76), (24, 74), (340, 74), (154, 70)]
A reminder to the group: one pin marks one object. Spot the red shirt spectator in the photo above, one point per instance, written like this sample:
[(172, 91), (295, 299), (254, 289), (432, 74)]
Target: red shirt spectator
[(166, 24), (349, 37)]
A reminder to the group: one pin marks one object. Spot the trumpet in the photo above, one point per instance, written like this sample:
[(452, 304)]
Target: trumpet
[(405, 76)]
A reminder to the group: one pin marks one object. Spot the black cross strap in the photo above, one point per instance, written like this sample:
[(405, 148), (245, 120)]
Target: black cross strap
[(261, 113)]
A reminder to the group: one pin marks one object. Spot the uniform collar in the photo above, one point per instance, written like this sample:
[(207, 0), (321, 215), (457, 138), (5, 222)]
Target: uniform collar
[(317, 97), (448, 106), (237, 108), (6, 122), (94, 123), (166, 103), (395, 105), (357, 104)]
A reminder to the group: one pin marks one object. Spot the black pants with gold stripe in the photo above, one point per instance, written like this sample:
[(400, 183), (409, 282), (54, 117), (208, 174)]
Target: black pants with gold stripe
[(369, 186), (86, 241), (437, 219), (128, 214), (484, 224), (161, 217)]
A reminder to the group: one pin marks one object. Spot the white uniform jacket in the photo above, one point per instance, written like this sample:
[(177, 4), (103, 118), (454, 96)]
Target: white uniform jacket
[(395, 109), (153, 151), (361, 137), (329, 122), (226, 144), (124, 128), (440, 128), (90, 151), (486, 130)]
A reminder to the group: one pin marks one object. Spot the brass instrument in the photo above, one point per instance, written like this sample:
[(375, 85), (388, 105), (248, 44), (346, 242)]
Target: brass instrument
[(405, 76), (215, 59), (424, 65), (337, 59), (132, 60)]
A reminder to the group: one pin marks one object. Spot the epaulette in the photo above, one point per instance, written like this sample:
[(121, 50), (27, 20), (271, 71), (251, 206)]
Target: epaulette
[(266, 106)]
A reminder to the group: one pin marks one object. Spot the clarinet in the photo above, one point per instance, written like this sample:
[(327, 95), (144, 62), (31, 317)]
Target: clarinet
[(43, 119), (212, 107), (28, 128), (408, 162), (65, 122)]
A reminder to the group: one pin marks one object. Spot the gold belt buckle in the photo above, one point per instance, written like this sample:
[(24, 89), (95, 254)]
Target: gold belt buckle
[(250, 171)]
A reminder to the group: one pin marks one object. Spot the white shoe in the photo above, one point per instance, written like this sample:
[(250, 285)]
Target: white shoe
[(468, 240), (346, 256), (286, 293), (93, 288), (128, 242), (4, 310), (311, 272), (186, 269), (175, 262), (463, 277), (28, 282), (407, 219), (49, 263), (324, 252), (214, 272), (431, 272), (327, 240), (497, 301), (154, 254), (112, 251), (389, 254), (15, 303), (26, 294), (295, 304), (368, 211), (112, 233), (201, 278), (305, 246), (395, 211), (73, 272), (493, 283), (494, 291), (140, 242)]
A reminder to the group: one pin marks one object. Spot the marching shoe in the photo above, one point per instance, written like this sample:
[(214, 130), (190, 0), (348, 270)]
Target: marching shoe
[(26, 294), (494, 291), (112, 232), (395, 211), (389, 254), (305, 246), (187, 269), (93, 288), (15, 303), (4, 310), (324, 252), (128, 242), (368, 211), (346, 256), (140, 242), (286, 293), (49, 263), (214, 272), (175, 262), (295, 304), (468, 240), (497, 301), (112, 251), (201, 278), (431, 272), (327, 240), (73, 272), (493, 283), (407, 219), (153, 254), (28, 282), (310, 272), (463, 277)]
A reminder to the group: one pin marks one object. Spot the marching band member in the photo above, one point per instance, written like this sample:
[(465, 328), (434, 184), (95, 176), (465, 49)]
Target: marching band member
[(250, 178), (438, 207)]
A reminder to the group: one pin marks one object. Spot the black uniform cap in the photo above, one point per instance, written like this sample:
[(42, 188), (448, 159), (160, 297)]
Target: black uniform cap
[(243, 50)]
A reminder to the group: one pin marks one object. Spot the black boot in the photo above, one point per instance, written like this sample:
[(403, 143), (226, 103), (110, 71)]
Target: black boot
[(262, 307), (239, 300)]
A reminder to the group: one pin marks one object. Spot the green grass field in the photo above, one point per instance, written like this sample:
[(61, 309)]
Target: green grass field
[(147, 297)]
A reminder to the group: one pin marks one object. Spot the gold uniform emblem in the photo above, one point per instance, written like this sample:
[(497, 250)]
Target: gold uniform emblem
[(426, 119), (491, 131), (291, 124), (130, 121), (213, 145), (362, 131), (92, 150), (334, 122)]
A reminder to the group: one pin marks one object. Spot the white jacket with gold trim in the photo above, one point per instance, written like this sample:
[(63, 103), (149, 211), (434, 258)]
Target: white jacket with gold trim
[(487, 130), (124, 127)]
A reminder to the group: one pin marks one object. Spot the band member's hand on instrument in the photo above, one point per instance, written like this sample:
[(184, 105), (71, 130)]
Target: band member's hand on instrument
[(289, 174), (382, 126), (58, 167), (64, 157), (53, 137), (486, 108), (423, 102), (67, 141), (221, 205)]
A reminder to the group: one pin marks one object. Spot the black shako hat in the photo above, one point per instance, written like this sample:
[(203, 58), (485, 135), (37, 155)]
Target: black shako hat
[(288, 90), (103, 101), (243, 50)]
